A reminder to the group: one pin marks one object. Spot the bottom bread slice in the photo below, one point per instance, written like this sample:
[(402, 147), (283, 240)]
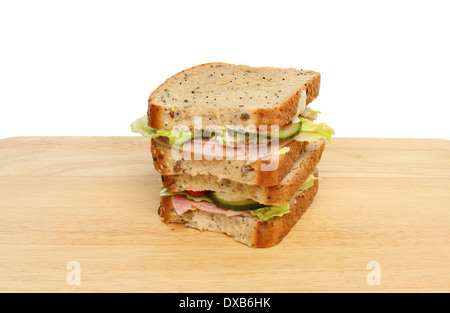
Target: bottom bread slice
[(247, 230)]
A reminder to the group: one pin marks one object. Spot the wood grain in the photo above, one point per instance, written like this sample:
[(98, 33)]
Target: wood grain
[(94, 199)]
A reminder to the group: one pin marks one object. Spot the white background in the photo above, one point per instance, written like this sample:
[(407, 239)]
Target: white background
[(88, 67)]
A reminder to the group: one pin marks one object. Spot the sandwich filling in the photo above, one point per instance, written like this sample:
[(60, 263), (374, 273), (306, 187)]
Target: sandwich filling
[(301, 128), (230, 204), (212, 149)]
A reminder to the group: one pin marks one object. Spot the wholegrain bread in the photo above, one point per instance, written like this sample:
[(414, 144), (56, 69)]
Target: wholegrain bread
[(247, 230), (227, 94), (254, 173), (281, 193)]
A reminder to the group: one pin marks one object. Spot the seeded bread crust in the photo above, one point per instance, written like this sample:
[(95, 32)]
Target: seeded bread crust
[(255, 173), (247, 230), (169, 108), (270, 195)]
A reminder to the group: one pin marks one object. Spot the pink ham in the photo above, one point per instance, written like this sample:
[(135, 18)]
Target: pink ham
[(212, 149), (182, 204)]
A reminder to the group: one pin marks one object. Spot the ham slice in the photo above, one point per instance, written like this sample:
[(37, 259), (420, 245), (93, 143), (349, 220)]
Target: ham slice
[(212, 149), (182, 204)]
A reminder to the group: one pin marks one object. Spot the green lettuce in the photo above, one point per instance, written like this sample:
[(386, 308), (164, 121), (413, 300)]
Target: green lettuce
[(309, 137), (313, 132), (269, 212), (176, 136), (167, 193), (309, 112), (140, 126), (308, 183)]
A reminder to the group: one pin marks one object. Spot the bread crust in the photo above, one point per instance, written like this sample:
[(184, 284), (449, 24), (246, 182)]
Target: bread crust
[(166, 165), (166, 210), (263, 234), (283, 114), (270, 233), (280, 193), (279, 115)]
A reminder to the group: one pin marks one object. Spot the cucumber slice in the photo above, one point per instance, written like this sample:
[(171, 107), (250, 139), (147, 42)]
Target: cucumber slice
[(233, 202), (286, 132)]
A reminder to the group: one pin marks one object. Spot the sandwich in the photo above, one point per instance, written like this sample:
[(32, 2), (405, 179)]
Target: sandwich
[(237, 148)]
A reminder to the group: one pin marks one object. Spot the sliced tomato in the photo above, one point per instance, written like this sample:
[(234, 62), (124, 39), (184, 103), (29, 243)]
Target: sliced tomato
[(198, 193)]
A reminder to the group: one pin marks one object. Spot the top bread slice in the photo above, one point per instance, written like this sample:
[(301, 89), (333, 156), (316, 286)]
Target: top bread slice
[(227, 94)]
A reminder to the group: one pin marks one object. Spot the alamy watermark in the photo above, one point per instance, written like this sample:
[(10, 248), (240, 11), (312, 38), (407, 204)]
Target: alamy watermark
[(374, 276), (73, 278)]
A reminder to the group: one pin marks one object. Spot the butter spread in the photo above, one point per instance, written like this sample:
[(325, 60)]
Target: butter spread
[(301, 106), (283, 150)]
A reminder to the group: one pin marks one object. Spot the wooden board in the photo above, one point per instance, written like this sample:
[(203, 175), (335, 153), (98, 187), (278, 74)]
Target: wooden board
[(94, 200)]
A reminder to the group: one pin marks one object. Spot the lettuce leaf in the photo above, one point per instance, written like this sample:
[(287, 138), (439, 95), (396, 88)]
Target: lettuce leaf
[(176, 136), (140, 126), (308, 183), (269, 212), (309, 112), (309, 137), (167, 193), (313, 132)]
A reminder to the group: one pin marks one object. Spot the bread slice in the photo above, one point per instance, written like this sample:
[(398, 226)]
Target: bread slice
[(271, 195), (247, 230), (227, 94), (255, 173)]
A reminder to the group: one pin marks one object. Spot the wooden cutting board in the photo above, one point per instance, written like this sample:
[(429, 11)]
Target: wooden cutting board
[(84, 209)]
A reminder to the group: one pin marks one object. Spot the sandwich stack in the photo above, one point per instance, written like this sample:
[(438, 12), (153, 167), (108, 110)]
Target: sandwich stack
[(237, 148)]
